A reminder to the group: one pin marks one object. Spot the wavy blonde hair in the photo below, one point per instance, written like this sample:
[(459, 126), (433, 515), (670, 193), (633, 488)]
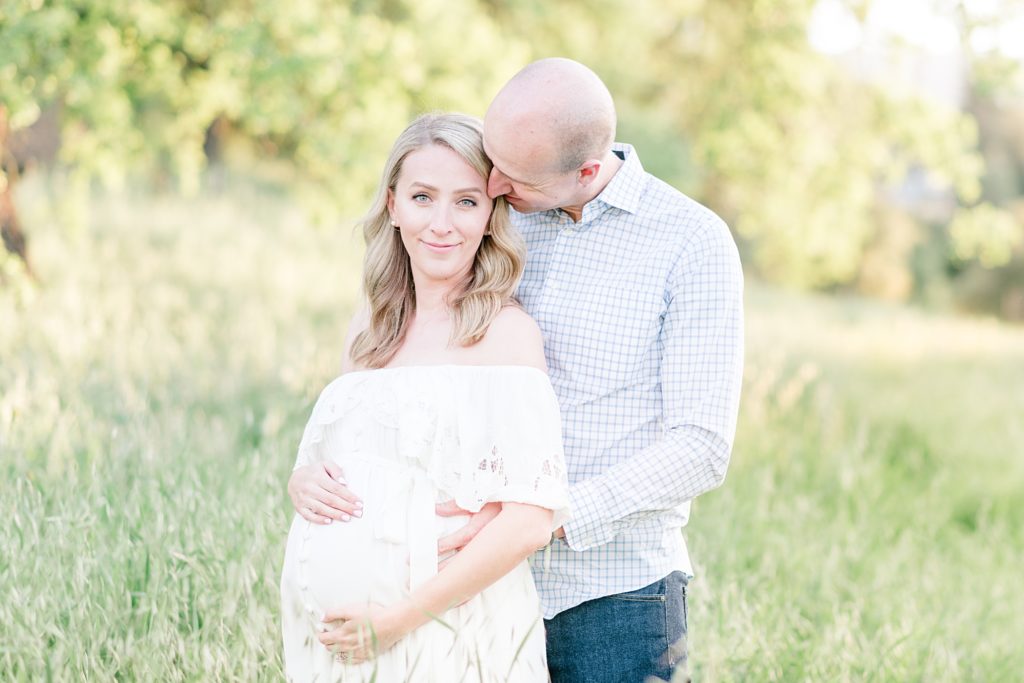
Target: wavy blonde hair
[(387, 274)]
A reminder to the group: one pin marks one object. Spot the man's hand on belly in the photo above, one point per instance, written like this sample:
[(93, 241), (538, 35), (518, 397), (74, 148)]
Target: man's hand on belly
[(448, 545)]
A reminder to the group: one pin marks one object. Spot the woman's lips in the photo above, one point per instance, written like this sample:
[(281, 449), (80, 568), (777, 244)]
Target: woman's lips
[(439, 247)]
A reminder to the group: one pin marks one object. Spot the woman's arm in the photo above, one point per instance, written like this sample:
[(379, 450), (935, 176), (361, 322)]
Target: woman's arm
[(511, 537)]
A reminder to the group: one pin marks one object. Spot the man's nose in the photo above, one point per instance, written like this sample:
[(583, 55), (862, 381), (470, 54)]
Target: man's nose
[(497, 184)]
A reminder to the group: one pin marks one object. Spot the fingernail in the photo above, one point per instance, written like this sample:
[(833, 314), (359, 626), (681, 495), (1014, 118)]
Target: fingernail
[(359, 503), (345, 518), (358, 513), (327, 520)]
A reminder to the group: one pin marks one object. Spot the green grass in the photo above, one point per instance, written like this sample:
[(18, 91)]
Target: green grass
[(153, 391), (871, 526)]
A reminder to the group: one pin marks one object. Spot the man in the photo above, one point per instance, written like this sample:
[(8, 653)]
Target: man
[(638, 292)]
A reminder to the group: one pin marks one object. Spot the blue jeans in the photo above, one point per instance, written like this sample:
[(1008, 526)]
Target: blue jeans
[(621, 638)]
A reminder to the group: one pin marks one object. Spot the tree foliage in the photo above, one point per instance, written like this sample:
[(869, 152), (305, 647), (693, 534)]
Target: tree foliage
[(726, 99)]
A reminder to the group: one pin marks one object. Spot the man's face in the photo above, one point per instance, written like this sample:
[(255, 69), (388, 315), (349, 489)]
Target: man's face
[(523, 172)]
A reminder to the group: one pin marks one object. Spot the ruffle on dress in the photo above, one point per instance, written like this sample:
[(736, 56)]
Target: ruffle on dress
[(480, 433)]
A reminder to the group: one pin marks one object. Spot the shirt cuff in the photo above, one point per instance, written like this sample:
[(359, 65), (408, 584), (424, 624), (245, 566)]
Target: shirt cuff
[(586, 528)]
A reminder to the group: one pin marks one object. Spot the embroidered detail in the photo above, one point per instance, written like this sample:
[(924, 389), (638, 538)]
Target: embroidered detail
[(427, 421)]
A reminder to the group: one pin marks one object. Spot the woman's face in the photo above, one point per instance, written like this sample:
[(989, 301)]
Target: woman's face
[(441, 205)]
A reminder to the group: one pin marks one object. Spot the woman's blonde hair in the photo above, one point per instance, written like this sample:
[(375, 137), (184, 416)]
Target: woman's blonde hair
[(387, 274)]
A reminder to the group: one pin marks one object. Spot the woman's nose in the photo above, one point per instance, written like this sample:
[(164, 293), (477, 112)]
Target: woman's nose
[(441, 220)]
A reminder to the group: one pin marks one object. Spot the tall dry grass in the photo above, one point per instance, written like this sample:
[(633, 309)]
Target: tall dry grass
[(153, 390)]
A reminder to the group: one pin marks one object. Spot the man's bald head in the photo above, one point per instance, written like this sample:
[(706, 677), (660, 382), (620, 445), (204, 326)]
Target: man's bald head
[(556, 104)]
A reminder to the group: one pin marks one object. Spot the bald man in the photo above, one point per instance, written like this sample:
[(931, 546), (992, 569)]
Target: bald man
[(638, 291)]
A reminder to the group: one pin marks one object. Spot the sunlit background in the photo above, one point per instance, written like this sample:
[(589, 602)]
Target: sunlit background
[(179, 186)]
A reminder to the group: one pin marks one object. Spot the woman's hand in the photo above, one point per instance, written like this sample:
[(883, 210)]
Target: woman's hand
[(357, 633), (320, 494)]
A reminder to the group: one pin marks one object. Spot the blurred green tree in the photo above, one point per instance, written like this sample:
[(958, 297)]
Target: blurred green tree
[(795, 151), (726, 99), (321, 85)]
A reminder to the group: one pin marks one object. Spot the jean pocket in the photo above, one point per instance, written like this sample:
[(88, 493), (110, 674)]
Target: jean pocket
[(629, 597)]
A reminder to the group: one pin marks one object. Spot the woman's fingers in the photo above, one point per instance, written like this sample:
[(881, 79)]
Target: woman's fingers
[(329, 505), (311, 516), (318, 495), (341, 505), (340, 490), (333, 481), (346, 638), (324, 503), (334, 471), (350, 639)]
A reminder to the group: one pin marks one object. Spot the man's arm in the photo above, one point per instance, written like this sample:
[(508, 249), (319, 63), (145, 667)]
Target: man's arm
[(701, 375)]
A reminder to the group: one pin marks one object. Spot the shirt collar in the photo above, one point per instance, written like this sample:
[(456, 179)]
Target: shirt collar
[(623, 191)]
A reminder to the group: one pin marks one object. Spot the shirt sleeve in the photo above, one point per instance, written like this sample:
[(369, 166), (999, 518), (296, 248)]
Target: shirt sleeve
[(701, 347)]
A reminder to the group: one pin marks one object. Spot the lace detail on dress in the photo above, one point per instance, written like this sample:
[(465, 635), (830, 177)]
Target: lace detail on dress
[(481, 434)]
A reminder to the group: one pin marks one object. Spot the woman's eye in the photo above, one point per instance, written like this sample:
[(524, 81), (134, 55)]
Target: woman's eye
[(467, 202), (420, 197)]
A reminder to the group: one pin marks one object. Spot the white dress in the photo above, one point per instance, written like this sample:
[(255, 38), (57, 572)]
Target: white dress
[(407, 438)]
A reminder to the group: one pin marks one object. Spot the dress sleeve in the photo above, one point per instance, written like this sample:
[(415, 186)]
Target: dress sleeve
[(303, 457), (325, 412), (512, 451)]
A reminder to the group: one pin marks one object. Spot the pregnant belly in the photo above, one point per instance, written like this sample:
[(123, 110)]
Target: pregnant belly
[(343, 563), (373, 558)]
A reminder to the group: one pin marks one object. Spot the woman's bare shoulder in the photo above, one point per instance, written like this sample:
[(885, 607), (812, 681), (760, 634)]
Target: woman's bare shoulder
[(514, 338), (359, 322)]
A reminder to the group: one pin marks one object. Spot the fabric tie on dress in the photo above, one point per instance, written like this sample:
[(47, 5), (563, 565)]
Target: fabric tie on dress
[(407, 516)]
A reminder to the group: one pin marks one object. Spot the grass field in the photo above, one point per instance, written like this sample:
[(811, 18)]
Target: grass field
[(153, 391)]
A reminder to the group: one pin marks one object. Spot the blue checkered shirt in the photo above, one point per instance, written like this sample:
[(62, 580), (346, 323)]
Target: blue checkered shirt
[(640, 303)]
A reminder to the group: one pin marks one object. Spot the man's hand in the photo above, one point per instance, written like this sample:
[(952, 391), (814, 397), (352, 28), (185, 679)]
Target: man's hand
[(320, 494), (456, 540)]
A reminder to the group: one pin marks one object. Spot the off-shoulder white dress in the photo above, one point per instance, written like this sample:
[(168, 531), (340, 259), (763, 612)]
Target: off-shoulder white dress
[(407, 438)]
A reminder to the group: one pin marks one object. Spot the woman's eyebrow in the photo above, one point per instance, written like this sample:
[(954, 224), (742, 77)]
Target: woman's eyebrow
[(464, 190)]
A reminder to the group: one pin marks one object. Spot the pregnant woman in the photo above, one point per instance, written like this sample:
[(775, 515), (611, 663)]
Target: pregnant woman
[(444, 397)]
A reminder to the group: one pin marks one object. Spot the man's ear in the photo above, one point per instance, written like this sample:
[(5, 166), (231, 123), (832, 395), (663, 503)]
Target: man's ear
[(588, 172)]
